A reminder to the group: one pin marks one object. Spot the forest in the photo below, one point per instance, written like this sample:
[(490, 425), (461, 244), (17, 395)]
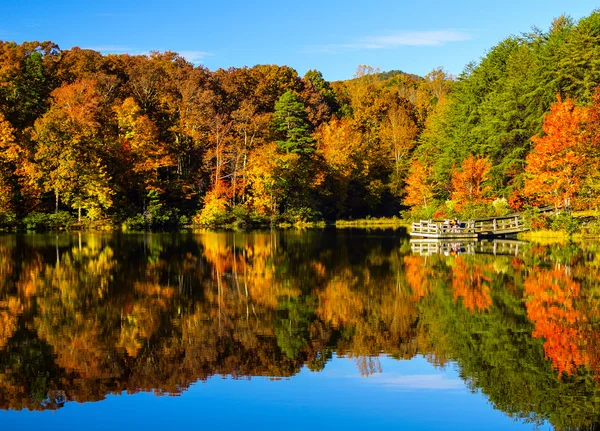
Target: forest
[(155, 142)]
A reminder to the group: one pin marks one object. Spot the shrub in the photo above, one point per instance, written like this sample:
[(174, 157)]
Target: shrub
[(137, 222), (500, 207), (158, 216), (184, 220), (8, 220), (35, 221), (564, 221), (215, 211), (302, 215), (420, 213), (61, 220)]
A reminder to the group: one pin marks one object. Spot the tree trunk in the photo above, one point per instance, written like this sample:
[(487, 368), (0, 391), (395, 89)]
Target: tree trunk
[(56, 205)]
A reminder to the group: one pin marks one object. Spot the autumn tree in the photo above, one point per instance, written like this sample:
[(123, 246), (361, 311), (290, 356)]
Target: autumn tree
[(141, 145), (26, 80), (264, 176), (69, 156), (339, 144), (419, 189), (315, 78), (557, 164), (469, 182), (398, 133), (9, 154), (251, 129)]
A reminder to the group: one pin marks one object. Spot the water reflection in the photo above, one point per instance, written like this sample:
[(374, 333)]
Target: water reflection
[(83, 316)]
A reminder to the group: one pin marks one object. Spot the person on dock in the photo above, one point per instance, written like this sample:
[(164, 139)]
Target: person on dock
[(455, 225)]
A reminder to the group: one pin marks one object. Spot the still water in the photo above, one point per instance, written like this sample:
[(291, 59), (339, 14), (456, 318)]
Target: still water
[(270, 330)]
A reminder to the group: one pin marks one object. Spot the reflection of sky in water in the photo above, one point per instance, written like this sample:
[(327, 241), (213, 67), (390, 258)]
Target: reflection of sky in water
[(411, 395)]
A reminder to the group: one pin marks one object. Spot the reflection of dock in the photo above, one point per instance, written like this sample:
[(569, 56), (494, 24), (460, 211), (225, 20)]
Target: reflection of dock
[(496, 247)]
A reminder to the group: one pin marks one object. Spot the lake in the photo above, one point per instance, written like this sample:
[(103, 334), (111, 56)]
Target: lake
[(349, 328)]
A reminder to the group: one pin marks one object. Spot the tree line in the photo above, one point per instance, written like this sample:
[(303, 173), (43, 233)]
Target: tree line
[(154, 141)]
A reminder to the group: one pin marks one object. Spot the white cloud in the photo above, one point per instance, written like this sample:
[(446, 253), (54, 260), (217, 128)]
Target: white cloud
[(397, 39), (417, 381), (416, 38), (194, 57)]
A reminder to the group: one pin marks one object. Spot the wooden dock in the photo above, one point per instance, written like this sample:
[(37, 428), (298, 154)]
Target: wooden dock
[(473, 229)]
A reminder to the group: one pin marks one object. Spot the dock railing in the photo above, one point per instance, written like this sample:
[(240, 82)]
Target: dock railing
[(505, 225)]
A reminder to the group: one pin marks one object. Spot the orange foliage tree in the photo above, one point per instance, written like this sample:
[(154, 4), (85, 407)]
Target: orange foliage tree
[(69, 147), (141, 144), (419, 189), (468, 183), (557, 164), (9, 153)]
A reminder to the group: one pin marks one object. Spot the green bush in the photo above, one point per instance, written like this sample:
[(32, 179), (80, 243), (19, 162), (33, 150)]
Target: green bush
[(61, 220), (8, 220), (564, 221), (302, 215), (184, 220), (500, 207), (35, 221), (137, 222), (246, 218), (421, 213), (157, 215)]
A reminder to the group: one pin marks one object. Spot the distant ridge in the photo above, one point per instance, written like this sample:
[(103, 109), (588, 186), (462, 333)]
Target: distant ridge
[(384, 76)]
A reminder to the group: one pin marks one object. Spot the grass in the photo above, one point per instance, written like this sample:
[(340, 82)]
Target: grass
[(586, 213), (302, 225), (383, 222), (544, 236), (549, 237)]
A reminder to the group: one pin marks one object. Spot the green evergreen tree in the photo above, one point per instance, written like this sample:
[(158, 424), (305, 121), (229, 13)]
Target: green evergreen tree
[(292, 129)]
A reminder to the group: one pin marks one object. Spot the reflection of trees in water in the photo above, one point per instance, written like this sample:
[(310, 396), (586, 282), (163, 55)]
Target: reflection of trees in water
[(83, 316)]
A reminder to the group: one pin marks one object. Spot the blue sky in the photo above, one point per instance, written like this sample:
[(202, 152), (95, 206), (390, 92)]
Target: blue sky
[(331, 36)]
